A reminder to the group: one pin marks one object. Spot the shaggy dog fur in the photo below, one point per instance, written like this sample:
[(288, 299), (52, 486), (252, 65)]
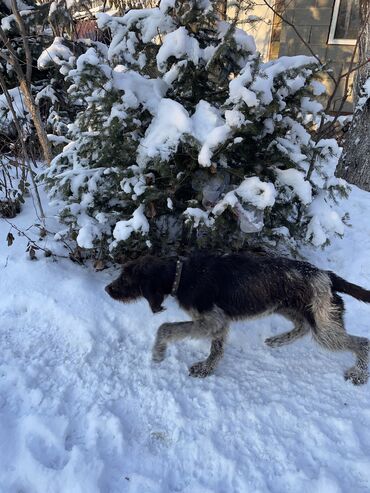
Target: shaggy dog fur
[(216, 289)]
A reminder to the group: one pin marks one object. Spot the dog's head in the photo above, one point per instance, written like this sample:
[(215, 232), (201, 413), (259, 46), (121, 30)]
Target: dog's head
[(147, 277)]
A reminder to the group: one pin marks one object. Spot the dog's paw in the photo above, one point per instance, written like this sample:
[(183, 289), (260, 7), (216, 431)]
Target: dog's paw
[(158, 355), (158, 358), (200, 370), (159, 352), (356, 375)]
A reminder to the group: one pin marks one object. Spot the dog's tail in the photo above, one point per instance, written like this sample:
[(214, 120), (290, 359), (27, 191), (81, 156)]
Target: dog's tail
[(343, 286)]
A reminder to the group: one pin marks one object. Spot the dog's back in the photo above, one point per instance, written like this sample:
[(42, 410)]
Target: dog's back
[(244, 284)]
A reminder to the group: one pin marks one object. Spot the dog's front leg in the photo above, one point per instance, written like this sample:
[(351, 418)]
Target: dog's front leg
[(169, 332), (211, 325), (204, 368)]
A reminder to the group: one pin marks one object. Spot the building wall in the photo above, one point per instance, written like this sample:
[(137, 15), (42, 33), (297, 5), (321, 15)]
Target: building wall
[(312, 18), (259, 29)]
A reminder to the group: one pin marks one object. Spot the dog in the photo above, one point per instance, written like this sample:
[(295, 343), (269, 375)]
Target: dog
[(217, 289)]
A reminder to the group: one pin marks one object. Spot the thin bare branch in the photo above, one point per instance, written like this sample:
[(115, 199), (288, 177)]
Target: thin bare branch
[(23, 32)]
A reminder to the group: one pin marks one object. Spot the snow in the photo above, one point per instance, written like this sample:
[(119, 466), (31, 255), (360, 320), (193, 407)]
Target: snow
[(365, 95), (271, 70), (18, 104), (239, 91), (296, 180), (57, 53), (7, 23), (253, 191), (243, 41), (214, 139), (310, 106), (148, 23), (205, 118), (197, 216), (324, 222), (260, 91), (89, 58), (46, 93), (178, 44), (83, 408), (138, 222), (138, 89), (163, 134), (257, 192), (234, 118), (318, 88)]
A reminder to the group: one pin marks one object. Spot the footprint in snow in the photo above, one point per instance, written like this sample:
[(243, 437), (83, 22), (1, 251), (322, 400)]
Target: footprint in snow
[(48, 454)]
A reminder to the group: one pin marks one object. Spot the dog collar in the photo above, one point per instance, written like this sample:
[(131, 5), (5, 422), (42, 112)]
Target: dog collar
[(177, 279)]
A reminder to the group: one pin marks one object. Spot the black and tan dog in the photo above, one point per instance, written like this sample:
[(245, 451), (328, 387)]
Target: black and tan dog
[(217, 289)]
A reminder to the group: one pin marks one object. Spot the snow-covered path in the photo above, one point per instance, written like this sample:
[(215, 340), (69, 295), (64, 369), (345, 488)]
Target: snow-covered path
[(83, 409)]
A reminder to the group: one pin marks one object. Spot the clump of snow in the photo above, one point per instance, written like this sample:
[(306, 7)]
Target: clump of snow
[(214, 139), (6, 117), (256, 192), (310, 106), (7, 22), (138, 89), (89, 58), (243, 40), (197, 216), (248, 201), (138, 223), (178, 44), (326, 162), (149, 22), (134, 184), (324, 222), (364, 95), (318, 88), (166, 5), (57, 53), (86, 235), (259, 89), (238, 91), (163, 134), (46, 93), (205, 119), (297, 181), (234, 118)]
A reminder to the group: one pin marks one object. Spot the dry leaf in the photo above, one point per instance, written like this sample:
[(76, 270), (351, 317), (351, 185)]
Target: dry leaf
[(10, 239), (99, 265), (32, 253)]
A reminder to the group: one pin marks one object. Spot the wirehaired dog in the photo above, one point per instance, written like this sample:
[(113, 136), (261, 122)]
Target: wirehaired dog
[(217, 289)]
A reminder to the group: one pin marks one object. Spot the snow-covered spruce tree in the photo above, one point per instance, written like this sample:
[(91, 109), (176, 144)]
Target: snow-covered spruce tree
[(188, 140)]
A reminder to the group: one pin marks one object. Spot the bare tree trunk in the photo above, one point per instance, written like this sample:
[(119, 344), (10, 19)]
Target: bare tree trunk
[(37, 121), (354, 165)]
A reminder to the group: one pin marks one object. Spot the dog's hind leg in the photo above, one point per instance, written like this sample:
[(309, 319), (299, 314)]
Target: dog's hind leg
[(301, 328), (358, 373), (328, 330)]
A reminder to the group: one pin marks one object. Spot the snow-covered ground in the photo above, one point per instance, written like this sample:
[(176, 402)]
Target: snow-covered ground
[(84, 410)]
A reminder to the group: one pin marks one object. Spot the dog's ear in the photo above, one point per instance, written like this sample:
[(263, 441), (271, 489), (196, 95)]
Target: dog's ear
[(154, 297)]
